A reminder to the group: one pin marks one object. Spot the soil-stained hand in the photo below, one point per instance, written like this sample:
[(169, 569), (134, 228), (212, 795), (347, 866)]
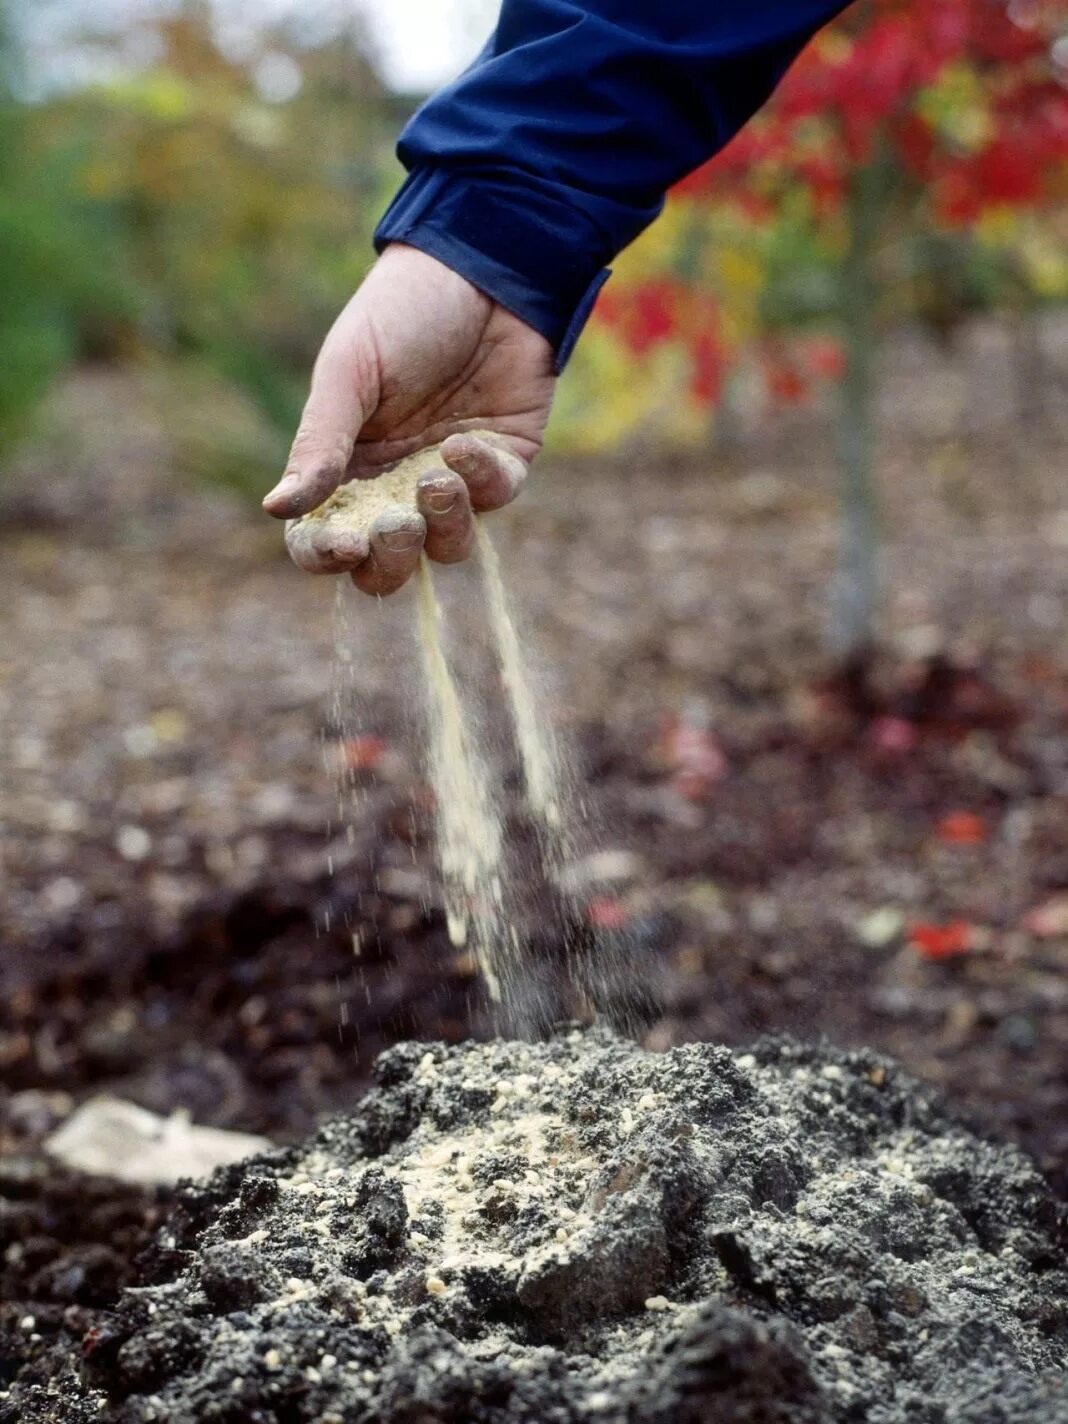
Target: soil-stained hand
[(418, 356)]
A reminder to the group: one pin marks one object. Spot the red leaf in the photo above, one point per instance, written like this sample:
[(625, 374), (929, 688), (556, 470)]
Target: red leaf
[(893, 735), (824, 357), (962, 828), (363, 753), (604, 912), (706, 380), (695, 758), (948, 941)]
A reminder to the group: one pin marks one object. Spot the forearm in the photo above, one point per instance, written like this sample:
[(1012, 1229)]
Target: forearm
[(555, 149)]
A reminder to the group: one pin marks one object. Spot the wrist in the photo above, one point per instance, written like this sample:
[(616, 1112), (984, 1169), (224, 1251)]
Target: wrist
[(517, 247)]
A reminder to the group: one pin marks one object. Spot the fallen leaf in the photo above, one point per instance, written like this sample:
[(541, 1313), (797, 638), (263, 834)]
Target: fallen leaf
[(1048, 920), (110, 1137), (363, 753), (893, 735), (605, 912), (880, 927), (947, 941), (962, 828), (694, 757)]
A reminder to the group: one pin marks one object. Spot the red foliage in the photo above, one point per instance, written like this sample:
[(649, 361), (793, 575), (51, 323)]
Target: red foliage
[(948, 941), (861, 81), (708, 365), (604, 912), (962, 828), (694, 757), (862, 93), (893, 736), (363, 753), (823, 357)]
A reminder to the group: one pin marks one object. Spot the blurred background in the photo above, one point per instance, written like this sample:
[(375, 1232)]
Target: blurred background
[(794, 565)]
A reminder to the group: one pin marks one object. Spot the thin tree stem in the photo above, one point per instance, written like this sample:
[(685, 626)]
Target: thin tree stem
[(855, 589)]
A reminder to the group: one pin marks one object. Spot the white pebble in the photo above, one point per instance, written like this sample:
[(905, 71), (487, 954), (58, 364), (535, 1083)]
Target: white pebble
[(435, 1285), (273, 1360), (657, 1302)]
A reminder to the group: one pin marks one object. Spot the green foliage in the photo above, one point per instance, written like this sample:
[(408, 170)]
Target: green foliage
[(61, 284), (183, 211)]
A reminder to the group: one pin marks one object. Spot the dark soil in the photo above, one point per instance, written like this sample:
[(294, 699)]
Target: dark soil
[(580, 1230), (183, 884)]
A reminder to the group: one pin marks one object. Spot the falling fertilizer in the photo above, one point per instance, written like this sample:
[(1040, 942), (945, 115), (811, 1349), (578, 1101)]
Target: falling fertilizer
[(470, 832)]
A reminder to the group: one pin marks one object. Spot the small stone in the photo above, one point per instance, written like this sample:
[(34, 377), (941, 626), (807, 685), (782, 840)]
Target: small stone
[(133, 843)]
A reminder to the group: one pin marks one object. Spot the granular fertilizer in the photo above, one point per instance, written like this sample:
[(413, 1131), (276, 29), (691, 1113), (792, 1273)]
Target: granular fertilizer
[(579, 1230)]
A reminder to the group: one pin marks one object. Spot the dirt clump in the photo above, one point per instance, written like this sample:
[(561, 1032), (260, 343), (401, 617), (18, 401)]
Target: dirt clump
[(581, 1230)]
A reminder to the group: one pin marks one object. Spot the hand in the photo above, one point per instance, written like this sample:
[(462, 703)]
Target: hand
[(418, 356)]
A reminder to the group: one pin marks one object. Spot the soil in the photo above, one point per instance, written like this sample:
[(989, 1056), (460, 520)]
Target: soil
[(581, 1230), (193, 917)]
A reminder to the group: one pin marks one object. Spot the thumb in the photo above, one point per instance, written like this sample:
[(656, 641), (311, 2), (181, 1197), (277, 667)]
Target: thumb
[(331, 421)]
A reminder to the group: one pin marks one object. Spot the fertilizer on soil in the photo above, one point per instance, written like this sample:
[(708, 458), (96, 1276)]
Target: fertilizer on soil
[(579, 1230)]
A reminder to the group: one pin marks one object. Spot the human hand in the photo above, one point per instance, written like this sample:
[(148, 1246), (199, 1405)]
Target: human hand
[(418, 356)]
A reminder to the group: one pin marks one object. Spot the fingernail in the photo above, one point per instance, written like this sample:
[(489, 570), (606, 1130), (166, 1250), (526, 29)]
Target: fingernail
[(347, 549), (440, 500), (284, 486), (400, 541)]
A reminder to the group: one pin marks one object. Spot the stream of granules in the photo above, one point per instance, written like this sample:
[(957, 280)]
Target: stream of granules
[(571, 968), (470, 839), (544, 770)]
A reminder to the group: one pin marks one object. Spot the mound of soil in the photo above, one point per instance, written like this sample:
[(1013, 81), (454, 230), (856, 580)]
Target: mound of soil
[(581, 1230)]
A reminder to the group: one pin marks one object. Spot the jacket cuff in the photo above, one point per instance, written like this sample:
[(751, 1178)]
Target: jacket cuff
[(537, 257)]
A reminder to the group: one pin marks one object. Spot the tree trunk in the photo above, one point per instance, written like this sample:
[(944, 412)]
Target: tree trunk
[(855, 588)]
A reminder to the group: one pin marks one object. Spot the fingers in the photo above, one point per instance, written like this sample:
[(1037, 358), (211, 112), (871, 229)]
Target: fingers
[(443, 501), (320, 548), (396, 543), (493, 476), (328, 429)]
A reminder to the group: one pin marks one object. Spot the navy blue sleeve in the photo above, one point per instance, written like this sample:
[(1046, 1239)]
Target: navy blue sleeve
[(530, 172)]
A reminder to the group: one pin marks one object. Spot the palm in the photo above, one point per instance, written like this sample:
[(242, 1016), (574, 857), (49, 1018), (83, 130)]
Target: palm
[(454, 371), (417, 356)]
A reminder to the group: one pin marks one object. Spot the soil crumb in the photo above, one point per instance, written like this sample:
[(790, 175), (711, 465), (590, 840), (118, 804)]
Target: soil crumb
[(579, 1230)]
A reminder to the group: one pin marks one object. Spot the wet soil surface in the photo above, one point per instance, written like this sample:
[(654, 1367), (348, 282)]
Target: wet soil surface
[(581, 1230)]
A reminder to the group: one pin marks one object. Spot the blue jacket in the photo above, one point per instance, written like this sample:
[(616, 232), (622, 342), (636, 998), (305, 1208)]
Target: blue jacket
[(531, 171)]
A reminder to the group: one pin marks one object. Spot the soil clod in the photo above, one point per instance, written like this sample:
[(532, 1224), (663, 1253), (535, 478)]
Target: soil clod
[(581, 1230)]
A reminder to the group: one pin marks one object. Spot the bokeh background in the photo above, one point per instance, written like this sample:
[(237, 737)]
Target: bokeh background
[(794, 566)]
